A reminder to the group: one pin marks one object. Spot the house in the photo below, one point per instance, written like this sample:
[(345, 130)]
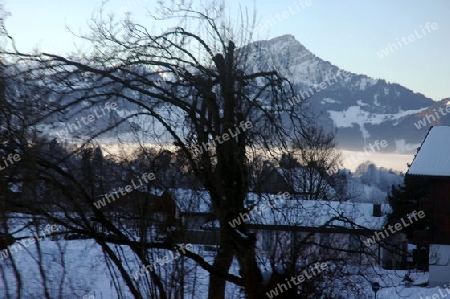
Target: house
[(283, 223), (432, 163), (138, 211), (271, 180), (284, 227), (183, 214), (198, 224)]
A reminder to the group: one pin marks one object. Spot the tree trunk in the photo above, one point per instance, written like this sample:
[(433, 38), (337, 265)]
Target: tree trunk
[(222, 262), (249, 270)]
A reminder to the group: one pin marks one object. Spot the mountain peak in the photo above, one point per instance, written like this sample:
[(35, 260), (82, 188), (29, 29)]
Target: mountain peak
[(283, 40), (361, 108), (285, 37)]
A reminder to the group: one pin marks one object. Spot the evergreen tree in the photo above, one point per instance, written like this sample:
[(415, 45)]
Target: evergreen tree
[(406, 198)]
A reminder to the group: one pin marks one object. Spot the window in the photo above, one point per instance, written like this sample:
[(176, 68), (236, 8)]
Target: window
[(447, 223), (266, 240), (376, 210)]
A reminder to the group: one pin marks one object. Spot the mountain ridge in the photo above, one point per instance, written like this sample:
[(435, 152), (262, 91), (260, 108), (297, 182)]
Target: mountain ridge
[(362, 109)]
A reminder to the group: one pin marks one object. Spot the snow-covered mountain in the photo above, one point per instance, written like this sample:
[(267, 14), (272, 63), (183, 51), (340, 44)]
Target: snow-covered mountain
[(360, 108)]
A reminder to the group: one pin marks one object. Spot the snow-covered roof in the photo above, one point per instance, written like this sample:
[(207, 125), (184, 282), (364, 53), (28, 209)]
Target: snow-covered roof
[(432, 158), (316, 213), (192, 201), (292, 212)]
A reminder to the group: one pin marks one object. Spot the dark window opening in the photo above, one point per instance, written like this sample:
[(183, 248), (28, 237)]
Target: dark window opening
[(376, 210)]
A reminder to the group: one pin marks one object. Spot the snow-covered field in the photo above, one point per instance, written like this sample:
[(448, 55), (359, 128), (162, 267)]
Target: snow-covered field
[(83, 272), (77, 268), (399, 290)]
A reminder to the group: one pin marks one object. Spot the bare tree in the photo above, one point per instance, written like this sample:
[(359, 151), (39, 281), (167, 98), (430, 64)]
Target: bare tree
[(215, 111), (319, 159)]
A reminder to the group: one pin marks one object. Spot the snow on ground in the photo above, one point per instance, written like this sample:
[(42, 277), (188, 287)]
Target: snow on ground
[(365, 81), (72, 269), (398, 289), (329, 100), (86, 274), (77, 268)]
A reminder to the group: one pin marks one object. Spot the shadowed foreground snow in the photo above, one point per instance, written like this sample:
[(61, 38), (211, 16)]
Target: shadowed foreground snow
[(77, 268)]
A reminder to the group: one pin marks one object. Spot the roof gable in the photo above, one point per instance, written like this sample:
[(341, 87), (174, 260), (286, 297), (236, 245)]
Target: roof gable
[(433, 158)]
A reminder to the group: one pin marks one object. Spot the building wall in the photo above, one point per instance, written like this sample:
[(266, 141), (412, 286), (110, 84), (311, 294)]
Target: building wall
[(194, 221), (393, 252), (439, 265), (439, 251), (192, 230), (204, 237), (440, 215)]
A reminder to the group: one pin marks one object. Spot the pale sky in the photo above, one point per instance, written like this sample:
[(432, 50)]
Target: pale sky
[(347, 33)]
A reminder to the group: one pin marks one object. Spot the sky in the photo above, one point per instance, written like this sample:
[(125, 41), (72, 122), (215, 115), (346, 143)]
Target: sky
[(351, 34)]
